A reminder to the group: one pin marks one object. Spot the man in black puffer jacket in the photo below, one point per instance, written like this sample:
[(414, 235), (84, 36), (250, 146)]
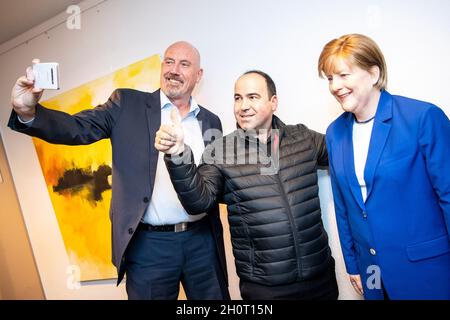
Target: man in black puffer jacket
[(266, 172)]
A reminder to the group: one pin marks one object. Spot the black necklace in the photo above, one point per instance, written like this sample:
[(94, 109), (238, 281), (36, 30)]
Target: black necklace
[(365, 121)]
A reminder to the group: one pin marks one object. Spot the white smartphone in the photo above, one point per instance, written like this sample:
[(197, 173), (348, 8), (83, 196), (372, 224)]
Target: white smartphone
[(46, 75)]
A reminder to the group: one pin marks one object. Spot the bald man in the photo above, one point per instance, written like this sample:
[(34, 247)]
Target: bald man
[(154, 240)]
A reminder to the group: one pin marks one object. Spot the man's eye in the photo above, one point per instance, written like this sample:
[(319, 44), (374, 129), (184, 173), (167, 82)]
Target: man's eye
[(237, 98)]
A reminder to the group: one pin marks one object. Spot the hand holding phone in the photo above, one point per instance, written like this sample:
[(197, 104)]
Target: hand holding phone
[(46, 75), (26, 94)]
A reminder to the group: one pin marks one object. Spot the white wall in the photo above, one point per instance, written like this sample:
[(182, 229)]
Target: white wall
[(283, 38)]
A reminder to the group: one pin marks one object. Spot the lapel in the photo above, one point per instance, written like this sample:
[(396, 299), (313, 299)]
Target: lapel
[(205, 124), (349, 160), (380, 134), (153, 113)]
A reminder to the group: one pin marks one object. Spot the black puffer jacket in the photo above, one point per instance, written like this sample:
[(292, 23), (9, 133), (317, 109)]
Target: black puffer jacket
[(275, 219)]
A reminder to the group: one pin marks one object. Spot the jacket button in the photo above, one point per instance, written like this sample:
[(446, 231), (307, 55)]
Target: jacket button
[(372, 251), (146, 199), (130, 231), (364, 215)]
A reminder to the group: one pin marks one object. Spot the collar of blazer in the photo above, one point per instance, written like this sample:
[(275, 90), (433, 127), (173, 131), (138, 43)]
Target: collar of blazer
[(154, 114), (384, 110), (380, 134)]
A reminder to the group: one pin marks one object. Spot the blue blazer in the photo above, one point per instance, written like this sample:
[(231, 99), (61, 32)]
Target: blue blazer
[(401, 232)]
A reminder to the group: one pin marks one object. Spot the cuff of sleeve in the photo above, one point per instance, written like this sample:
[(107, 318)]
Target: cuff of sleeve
[(186, 157), (351, 268)]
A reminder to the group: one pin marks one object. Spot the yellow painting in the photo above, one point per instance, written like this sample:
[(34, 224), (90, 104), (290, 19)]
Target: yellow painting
[(78, 178)]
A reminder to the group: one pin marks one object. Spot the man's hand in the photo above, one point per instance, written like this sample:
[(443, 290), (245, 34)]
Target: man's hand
[(25, 96), (170, 137), (355, 280)]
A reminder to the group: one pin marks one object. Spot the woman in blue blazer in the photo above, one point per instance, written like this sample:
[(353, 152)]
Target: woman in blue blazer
[(390, 172)]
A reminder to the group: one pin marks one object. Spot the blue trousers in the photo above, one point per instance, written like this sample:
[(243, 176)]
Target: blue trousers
[(156, 263)]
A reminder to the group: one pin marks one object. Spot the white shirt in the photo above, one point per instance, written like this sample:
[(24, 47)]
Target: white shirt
[(361, 140), (164, 206)]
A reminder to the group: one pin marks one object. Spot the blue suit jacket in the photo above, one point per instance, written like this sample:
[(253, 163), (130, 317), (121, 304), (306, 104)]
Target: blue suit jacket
[(403, 227)]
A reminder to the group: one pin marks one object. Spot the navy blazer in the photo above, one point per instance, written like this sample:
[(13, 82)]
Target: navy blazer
[(403, 227), (130, 119)]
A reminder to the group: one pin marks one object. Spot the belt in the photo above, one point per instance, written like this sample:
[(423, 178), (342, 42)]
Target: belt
[(179, 227)]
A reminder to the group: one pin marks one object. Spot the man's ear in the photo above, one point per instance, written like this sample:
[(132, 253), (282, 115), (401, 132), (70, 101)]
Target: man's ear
[(199, 75), (274, 101)]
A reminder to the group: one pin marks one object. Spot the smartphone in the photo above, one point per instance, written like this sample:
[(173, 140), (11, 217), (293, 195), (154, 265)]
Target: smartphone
[(46, 75)]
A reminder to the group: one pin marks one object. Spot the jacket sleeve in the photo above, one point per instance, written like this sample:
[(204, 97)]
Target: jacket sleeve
[(345, 234), (321, 147), (58, 127), (199, 188), (434, 141)]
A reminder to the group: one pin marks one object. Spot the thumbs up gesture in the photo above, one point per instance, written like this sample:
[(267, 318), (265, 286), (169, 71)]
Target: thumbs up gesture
[(170, 137)]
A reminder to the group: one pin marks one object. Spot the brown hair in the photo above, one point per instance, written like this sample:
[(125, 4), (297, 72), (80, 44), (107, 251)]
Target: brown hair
[(271, 89), (356, 49)]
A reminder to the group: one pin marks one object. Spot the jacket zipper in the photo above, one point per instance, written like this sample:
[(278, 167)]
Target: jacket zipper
[(293, 225)]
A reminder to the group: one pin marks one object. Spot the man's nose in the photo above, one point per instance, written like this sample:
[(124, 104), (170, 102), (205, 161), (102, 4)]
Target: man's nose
[(175, 69), (245, 105)]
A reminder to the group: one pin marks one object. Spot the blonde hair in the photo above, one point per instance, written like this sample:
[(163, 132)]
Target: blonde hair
[(356, 49)]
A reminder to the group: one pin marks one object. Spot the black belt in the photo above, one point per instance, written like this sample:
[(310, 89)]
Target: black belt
[(179, 227)]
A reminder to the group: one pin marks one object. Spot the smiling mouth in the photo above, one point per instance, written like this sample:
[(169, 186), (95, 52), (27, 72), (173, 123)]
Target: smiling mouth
[(246, 116), (174, 81), (343, 96)]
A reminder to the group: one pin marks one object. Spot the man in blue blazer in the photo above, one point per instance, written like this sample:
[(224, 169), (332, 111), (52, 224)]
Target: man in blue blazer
[(154, 240), (390, 175)]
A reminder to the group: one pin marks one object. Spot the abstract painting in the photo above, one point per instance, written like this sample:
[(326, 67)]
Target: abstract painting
[(78, 178)]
